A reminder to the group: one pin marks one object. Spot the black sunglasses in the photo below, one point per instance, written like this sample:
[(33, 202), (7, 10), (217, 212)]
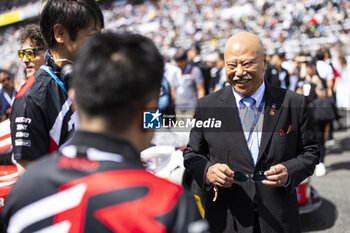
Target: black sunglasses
[(242, 177), (4, 80), (29, 53)]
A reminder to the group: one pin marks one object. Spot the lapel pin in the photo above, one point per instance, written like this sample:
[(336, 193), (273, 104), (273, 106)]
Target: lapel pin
[(273, 110)]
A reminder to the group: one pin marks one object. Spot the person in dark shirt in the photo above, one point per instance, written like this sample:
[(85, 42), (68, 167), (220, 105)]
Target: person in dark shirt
[(275, 74), (7, 93), (324, 110), (307, 82), (194, 56)]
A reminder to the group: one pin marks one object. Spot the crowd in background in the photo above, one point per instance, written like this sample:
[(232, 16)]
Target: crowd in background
[(10, 5), (180, 23), (296, 25)]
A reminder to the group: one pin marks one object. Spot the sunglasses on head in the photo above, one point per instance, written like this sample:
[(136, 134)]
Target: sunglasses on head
[(29, 53), (242, 177)]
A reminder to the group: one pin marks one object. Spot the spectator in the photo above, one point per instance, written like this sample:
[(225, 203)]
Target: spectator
[(7, 93), (165, 102), (211, 61), (194, 56), (324, 113), (42, 112), (328, 60), (307, 83), (307, 86), (343, 85), (32, 50), (221, 77), (188, 88), (330, 84), (97, 183), (298, 71), (325, 71), (276, 74), (171, 73), (342, 91)]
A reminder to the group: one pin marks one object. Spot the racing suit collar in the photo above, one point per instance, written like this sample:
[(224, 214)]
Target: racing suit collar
[(105, 142)]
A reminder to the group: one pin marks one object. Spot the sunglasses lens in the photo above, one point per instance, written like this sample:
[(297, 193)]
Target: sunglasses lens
[(239, 176), (4, 80), (259, 176), (30, 54), (21, 54)]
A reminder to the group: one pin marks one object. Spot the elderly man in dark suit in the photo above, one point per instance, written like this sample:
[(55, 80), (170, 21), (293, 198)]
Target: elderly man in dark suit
[(250, 167)]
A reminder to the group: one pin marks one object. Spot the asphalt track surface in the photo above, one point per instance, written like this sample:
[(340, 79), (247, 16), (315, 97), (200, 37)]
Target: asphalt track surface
[(334, 189)]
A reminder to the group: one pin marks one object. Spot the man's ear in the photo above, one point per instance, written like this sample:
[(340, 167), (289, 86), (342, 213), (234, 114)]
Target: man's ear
[(59, 33), (265, 62), (151, 104)]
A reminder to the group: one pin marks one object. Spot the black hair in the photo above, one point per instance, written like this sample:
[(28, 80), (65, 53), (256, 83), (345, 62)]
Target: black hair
[(33, 33), (310, 61), (196, 47), (8, 73), (180, 55), (5, 71), (281, 53), (320, 54), (115, 75), (325, 50), (73, 15)]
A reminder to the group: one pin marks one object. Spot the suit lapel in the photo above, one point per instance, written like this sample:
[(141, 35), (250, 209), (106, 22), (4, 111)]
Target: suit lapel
[(273, 108), (234, 123)]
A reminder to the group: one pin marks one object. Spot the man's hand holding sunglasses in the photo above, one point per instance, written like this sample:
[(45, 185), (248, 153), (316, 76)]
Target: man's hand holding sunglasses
[(220, 175), (276, 176)]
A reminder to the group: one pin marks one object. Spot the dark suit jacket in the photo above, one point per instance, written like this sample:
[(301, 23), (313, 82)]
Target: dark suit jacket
[(233, 211)]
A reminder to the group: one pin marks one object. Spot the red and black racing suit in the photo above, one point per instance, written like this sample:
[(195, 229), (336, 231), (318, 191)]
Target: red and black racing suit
[(97, 184), (41, 117)]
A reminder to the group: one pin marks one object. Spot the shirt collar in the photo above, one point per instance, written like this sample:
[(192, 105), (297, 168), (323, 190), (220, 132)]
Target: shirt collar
[(3, 92), (258, 95), (50, 62), (105, 142), (196, 59)]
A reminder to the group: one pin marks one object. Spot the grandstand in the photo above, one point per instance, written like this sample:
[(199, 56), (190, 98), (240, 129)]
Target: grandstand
[(15, 14), (294, 25)]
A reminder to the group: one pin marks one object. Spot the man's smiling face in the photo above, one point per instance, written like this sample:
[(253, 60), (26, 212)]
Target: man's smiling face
[(245, 63)]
